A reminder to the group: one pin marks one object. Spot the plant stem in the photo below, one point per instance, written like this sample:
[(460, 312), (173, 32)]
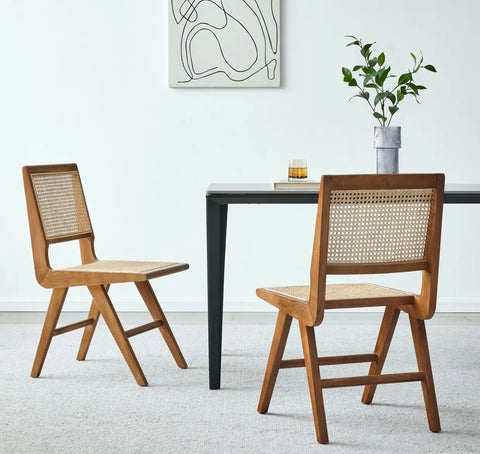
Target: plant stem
[(363, 91)]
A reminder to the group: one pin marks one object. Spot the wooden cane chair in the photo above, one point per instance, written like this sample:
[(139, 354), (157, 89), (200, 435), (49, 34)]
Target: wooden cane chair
[(366, 224), (57, 212)]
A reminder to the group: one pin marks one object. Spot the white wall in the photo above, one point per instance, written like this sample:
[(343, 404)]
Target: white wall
[(86, 82)]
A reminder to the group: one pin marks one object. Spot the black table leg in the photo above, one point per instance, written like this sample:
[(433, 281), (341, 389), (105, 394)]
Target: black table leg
[(216, 236)]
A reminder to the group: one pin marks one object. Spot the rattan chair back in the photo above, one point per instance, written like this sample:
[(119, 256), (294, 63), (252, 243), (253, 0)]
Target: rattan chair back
[(60, 202), (378, 226)]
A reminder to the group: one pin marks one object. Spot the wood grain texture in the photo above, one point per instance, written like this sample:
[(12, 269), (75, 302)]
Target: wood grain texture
[(282, 328), (424, 365), (51, 319), (314, 382), (387, 328), (148, 295)]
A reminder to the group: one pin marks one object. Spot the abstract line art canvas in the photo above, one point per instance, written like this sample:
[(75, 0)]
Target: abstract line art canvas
[(224, 43)]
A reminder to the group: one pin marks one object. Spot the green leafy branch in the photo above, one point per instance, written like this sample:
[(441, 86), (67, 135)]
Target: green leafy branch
[(383, 101)]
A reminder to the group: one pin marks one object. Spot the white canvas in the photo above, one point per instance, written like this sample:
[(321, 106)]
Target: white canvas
[(224, 43)]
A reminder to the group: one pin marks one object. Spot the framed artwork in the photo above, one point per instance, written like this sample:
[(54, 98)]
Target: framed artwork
[(224, 43)]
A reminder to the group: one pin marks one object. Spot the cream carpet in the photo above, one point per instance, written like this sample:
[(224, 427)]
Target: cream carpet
[(96, 407)]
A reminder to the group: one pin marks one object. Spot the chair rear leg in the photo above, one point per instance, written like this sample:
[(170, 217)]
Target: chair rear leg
[(424, 365), (279, 341), (153, 306), (51, 319), (102, 300), (93, 313), (387, 328), (314, 381)]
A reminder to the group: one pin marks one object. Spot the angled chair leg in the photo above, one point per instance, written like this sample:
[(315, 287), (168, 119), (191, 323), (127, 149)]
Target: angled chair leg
[(387, 328), (314, 381), (102, 300), (51, 319), (93, 313), (279, 341), (424, 365), (153, 306)]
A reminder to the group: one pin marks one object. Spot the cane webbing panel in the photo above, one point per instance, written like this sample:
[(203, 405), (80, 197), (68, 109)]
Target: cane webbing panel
[(378, 226), (341, 292), (61, 204), (119, 266)]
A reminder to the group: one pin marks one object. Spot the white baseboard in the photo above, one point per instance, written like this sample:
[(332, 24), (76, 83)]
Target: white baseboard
[(200, 305)]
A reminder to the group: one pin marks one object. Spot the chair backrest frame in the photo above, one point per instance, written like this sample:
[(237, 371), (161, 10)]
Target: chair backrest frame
[(424, 306), (54, 194)]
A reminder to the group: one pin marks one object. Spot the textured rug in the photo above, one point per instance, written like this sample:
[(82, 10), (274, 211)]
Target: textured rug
[(95, 406)]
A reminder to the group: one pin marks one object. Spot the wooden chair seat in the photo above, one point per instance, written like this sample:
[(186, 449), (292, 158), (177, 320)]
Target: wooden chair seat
[(111, 272), (341, 295), (366, 224), (57, 212)]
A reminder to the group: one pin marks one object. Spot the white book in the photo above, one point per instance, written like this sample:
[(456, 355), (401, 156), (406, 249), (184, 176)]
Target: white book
[(306, 184)]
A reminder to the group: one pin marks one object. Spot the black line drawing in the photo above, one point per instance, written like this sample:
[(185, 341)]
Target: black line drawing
[(224, 43)]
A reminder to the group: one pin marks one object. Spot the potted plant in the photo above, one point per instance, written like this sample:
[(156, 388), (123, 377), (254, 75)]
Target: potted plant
[(370, 79)]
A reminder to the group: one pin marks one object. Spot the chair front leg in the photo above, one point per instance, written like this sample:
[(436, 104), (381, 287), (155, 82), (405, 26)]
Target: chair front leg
[(424, 365), (51, 319), (105, 306), (279, 341), (387, 328), (314, 381), (153, 306), (93, 313)]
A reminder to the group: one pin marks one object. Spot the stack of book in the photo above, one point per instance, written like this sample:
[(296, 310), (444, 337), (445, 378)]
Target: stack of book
[(305, 184)]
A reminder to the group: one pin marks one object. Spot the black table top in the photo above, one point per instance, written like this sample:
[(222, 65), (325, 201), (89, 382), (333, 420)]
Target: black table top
[(266, 193)]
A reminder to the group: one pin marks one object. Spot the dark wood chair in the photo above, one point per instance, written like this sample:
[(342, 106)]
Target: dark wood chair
[(366, 224), (57, 212)]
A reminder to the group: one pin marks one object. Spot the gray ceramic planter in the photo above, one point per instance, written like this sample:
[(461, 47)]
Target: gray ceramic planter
[(387, 141)]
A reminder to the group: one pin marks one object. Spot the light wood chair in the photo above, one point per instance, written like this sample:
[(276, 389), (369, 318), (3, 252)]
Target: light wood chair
[(57, 212), (366, 224)]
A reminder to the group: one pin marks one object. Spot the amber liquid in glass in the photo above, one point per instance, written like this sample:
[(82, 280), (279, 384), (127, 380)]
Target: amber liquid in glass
[(297, 173)]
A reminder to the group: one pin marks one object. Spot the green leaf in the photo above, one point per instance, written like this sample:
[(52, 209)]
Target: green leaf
[(382, 95), (347, 75), (391, 97), (387, 72), (357, 67), (366, 50), (414, 59), (414, 88), (371, 86), (353, 43), (404, 78), (367, 79), (430, 68), (353, 83), (421, 87), (380, 117), (364, 95), (368, 70), (393, 109), (372, 62), (414, 95), (381, 59), (400, 96), (381, 76)]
